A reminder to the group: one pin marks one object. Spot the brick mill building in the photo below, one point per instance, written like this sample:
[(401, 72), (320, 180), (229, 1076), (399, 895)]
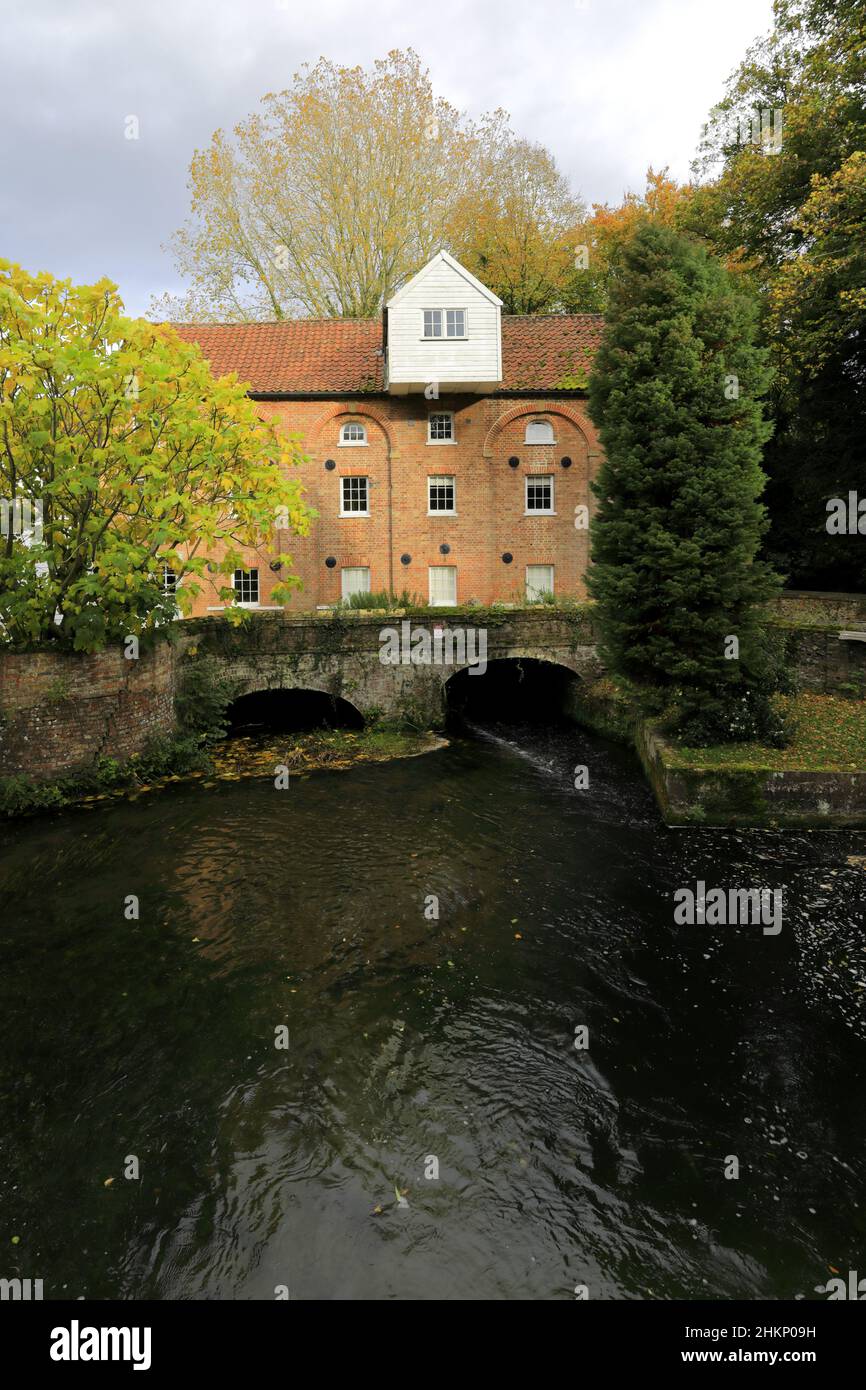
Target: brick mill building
[(449, 450)]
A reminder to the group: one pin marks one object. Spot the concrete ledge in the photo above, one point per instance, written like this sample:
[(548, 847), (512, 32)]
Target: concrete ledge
[(749, 797)]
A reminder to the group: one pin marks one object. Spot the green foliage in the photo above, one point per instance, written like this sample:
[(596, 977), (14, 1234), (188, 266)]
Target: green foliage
[(202, 700), (20, 795), (137, 457), (608, 707), (167, 755), (58, 690), (746, 715), (679, 520), (794, 224), (828, 733), (382, 599), (164, 756), (750, 714)]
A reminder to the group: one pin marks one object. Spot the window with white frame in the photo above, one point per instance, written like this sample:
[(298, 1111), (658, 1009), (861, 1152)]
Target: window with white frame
[(355, 580), (444, 323), (539, 581), (539, 493), (353, 433), (354, 497), (246, 586), (169, 581), (443, 585), (539, 432), (440, 427), (440, 494)]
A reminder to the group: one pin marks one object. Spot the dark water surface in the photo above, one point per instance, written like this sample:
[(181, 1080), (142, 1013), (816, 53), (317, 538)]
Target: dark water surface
[(412, 1038)]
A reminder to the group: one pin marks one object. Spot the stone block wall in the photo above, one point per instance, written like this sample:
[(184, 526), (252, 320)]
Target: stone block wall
[(827, 663)]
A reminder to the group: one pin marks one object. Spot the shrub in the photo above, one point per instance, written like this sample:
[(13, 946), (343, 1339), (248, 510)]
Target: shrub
[(202, 701), (382, 599)]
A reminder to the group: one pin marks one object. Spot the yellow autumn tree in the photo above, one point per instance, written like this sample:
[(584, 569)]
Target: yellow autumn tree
[(609, 228), (346, 183), (519, 228), (324, 201), (129, 461)]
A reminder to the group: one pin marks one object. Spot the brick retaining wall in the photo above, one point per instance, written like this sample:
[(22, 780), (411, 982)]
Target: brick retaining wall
[(59, 713)]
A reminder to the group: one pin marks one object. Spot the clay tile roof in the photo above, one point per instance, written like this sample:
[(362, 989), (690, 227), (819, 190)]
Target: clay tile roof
[(343, 356), (548, 351), (301, 356)]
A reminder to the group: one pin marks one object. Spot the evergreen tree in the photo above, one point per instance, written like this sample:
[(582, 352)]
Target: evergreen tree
[(675, 393)]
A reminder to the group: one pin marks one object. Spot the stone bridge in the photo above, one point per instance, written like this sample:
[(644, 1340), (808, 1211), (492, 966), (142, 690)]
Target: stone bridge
[(340, 653), (61, 712)]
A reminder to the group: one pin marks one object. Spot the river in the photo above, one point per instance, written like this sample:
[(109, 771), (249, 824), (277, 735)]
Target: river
[(430, 1131)]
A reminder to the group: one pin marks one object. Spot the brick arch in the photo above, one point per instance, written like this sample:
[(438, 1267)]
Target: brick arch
[(549, 408), (342, 408)]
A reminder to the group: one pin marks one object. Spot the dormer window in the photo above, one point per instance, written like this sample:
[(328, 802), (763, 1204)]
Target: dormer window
[(353, 433), (444, 329), (539, 432), (444, 323)]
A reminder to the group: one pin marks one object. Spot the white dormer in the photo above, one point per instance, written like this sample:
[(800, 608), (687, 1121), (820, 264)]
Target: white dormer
[(443, 327)]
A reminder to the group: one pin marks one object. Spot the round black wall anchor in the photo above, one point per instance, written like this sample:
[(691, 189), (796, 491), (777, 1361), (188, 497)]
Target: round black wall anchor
[(507, 557), (566, 462), (330, 562), (514, 461), (444, 550), (275, 565), (405, 559), (330, 465)]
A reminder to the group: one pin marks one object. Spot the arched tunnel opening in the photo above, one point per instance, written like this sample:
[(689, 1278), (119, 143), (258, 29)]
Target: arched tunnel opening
[(286, 711), (512, 690)]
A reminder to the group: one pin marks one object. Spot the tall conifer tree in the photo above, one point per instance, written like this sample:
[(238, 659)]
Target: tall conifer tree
[(675, 393)]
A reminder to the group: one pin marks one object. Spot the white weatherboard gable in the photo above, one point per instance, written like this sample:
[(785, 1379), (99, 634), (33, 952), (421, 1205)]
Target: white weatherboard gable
[(448, 260), (473, 363)]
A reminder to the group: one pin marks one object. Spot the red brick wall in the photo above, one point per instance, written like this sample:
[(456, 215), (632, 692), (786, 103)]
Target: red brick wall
[(490, 498), (59, 713)]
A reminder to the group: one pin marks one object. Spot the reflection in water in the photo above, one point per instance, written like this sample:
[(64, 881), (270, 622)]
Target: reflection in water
[(413, 1038)]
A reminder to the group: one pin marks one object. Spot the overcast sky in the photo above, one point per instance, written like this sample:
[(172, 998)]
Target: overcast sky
[(609, 86)]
